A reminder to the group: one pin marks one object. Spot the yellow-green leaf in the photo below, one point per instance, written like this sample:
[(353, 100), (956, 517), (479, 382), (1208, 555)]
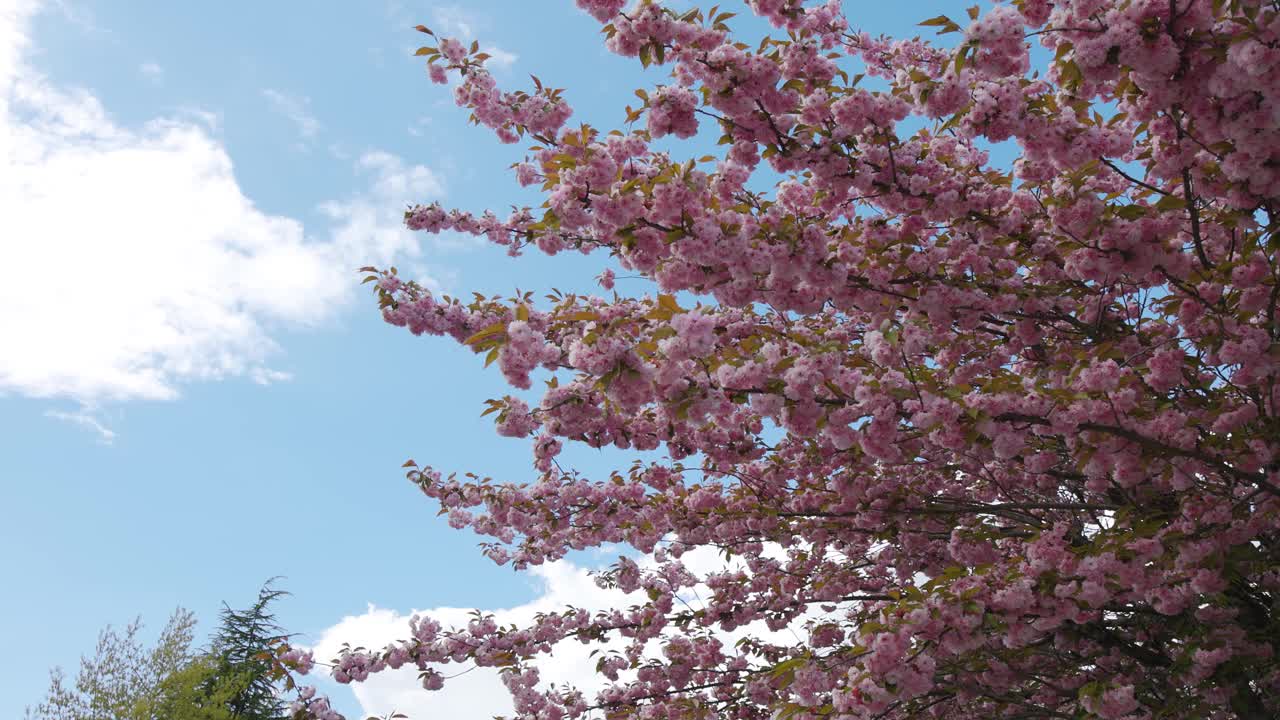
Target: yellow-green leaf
[(485, 332)]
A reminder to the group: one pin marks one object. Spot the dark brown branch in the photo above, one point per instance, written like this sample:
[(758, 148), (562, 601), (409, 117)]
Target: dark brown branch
[(1133, 179)]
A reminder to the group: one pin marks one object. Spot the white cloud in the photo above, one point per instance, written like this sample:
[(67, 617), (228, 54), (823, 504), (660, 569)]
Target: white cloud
[(370, 224), (131, 261), (478, 694), (13, 41), (296, 108), (152, 72)]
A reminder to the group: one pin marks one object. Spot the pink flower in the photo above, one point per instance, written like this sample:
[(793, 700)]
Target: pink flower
[(961, 429)]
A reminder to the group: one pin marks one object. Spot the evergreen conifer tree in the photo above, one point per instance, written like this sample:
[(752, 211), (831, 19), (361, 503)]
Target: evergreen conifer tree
[(243, 648)]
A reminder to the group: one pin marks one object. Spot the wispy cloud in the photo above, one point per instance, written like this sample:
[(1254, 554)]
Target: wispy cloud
[(296, 108), (419, 126), (454, 20), (86, 419), (211, 121), (464, 24), (267, 376), (152, 72), (80, 16), (499, 58)]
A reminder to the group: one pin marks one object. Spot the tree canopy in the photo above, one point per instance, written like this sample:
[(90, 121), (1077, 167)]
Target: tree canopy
[(241, 675), (122, 679), (991, 441)]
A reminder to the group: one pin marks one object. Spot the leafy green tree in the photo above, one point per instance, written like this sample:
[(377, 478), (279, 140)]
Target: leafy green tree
[(239, 676), (121, 680), (198, 692)]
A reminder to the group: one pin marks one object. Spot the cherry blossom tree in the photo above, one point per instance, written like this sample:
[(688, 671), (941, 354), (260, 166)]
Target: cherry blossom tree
[(993, 441)]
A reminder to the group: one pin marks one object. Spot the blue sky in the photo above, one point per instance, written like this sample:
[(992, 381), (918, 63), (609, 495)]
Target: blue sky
[(194, 393)]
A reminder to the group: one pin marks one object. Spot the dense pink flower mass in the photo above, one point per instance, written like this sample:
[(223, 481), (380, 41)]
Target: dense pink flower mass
[(992, 442)]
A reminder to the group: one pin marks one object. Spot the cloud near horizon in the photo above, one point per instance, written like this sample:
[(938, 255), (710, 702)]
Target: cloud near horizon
[(468, 693), (472, 693), (131, 260)]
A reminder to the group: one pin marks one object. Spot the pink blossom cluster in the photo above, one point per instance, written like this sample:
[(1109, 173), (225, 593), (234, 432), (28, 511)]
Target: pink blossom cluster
[(672, 113), (982, 441), (1001, 50), (301, 661), (510, 115)]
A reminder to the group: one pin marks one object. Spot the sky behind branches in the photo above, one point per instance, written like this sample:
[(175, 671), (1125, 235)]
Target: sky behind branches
[(195, 393)]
